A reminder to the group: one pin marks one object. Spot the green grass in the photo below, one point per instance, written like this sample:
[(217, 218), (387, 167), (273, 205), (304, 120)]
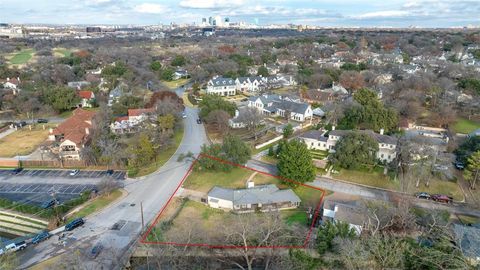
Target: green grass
[(295, 216), (176, 83), (22, 57), (269, 159), (162, 158), (371, 177), (465, 126), (64, 52), (96, 205), (205, 180), (468, 219), (318, 154), (438, 186)]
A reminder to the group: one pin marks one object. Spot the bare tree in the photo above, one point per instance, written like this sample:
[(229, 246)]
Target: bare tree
[(219, 118), (252, 119)]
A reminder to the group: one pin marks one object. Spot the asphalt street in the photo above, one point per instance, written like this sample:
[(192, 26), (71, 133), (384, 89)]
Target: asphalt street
[(152, 192)]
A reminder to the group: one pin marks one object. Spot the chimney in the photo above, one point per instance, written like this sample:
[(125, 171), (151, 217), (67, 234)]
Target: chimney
[(87, 131), (250, 184), (333, 127), (381, 131)]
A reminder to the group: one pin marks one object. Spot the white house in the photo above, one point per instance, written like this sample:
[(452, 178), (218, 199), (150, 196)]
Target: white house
[(250, 84), (349, 214), (87, 98), (315, 139), (263, 198), (221, 86), (281, 106), (130, 123)]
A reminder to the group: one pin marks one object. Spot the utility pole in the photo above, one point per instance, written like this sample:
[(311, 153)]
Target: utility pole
[(141, 212)]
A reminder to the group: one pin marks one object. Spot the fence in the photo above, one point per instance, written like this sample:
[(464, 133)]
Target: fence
[(65, 164)]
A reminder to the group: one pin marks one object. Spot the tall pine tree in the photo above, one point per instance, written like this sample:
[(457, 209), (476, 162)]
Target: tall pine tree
[(295, 162)]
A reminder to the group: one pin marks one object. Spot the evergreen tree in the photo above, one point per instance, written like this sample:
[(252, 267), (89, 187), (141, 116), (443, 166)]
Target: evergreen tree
[(295, 162), (472, 172), (355, 149)]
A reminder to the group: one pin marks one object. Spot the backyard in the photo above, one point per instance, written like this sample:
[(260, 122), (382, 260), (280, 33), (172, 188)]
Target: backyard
[(23, 141), (465, 126)]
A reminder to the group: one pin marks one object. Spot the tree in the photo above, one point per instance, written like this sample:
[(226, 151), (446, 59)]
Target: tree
[(295, 162), (166, 122), (108, 185), (126, 102), (355, 149), (472, 171), (271, 152), (352, 80), (262, 71), (178, 61), (233, 149), (471, 145), (156, 66), (287, 131), (167, 74), (252, 119), (9, 261), (219, 118), (142, 152), (236, 150), (61, 98), (211, 103), (329, 231)]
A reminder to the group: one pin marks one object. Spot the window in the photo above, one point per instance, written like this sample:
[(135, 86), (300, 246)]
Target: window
[(381, 155)]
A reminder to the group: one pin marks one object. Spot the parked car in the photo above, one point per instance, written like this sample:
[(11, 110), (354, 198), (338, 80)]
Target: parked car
[(16, 171), (41, 120), (184, 115), (442, 198), (15, 247), (74, 172), (74, 224), (109, 172), (199, 121), (423, 195), (95, 251), (459, 165), (49, 204), (41, 237)]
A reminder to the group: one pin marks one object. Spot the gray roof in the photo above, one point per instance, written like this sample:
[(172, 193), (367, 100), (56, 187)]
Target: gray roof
[(281, 103), (263, 194), (221, 81), (377, 136), (314, 134), (468, 237)]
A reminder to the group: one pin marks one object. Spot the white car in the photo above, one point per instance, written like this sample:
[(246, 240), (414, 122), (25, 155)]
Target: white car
[(74, 172), (14, 247)]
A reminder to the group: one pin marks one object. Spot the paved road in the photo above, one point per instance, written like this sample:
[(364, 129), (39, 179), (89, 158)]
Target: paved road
[(152, 191), (372, 193), (55, 120)]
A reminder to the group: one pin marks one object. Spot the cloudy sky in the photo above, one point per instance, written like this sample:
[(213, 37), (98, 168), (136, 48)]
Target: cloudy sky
[(396, 13)]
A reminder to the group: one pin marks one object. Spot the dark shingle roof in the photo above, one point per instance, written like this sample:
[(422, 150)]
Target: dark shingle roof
[(314, 134), (221, 81), (377, 136)]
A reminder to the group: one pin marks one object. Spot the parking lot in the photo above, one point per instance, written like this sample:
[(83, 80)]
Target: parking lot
[(119, 175), (35, 187), (37, 194)]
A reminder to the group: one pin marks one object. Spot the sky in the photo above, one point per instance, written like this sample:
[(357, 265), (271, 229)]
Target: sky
[(328, 13)]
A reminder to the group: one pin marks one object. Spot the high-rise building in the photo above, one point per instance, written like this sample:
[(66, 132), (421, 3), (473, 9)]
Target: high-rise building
[(218, 21), (210, 20)]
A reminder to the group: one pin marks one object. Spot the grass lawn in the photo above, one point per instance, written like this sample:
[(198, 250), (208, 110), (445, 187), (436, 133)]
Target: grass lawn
[(373, 177), (465, 126), (174, 84), (269, 159), (162, 158), (295, 216), (23, 141), (22, 57), (439, 186), (62, 52), (318, 154), (468, 219), (96, 205), (256, 151)]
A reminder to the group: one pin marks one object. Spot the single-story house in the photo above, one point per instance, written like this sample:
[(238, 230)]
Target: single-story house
[(281, 106), (340, 212), (315, 139), (179, 74), (114, 95), (87, 98), (263, 198), (73, 134)]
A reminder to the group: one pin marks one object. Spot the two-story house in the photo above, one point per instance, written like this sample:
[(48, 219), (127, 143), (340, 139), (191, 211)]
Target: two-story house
[(221, 86), (73, 134), (131, 122), (281, 106), (87, 98), (250, 84), (315, 139)]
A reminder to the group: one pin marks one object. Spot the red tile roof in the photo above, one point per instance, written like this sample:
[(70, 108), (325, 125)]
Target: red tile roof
[(85, 94), (138, 112), (120, 119), (74, 128)]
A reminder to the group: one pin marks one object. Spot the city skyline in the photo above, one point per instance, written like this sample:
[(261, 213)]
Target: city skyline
[(328, 13)]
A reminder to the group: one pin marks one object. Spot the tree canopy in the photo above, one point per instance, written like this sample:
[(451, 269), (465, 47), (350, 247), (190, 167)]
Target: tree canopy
[(295, 162), (61, 98), (211, 103), (370, 113), (233, 149), (472, 144), (472, 172), (355, 149)]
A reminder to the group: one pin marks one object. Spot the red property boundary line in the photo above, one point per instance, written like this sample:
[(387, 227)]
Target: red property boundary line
[(143, 239)]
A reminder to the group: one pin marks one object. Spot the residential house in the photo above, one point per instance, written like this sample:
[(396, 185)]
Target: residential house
[(87, 98), (345, 213), (263, 198), (250, 84), (468, 240), (237, 121), (315, 139), (73, 134), (12, 84), (180, 74), (78, 85), (221, 86), (280, 80), (131, 123), (281, 106), (114, 95)]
